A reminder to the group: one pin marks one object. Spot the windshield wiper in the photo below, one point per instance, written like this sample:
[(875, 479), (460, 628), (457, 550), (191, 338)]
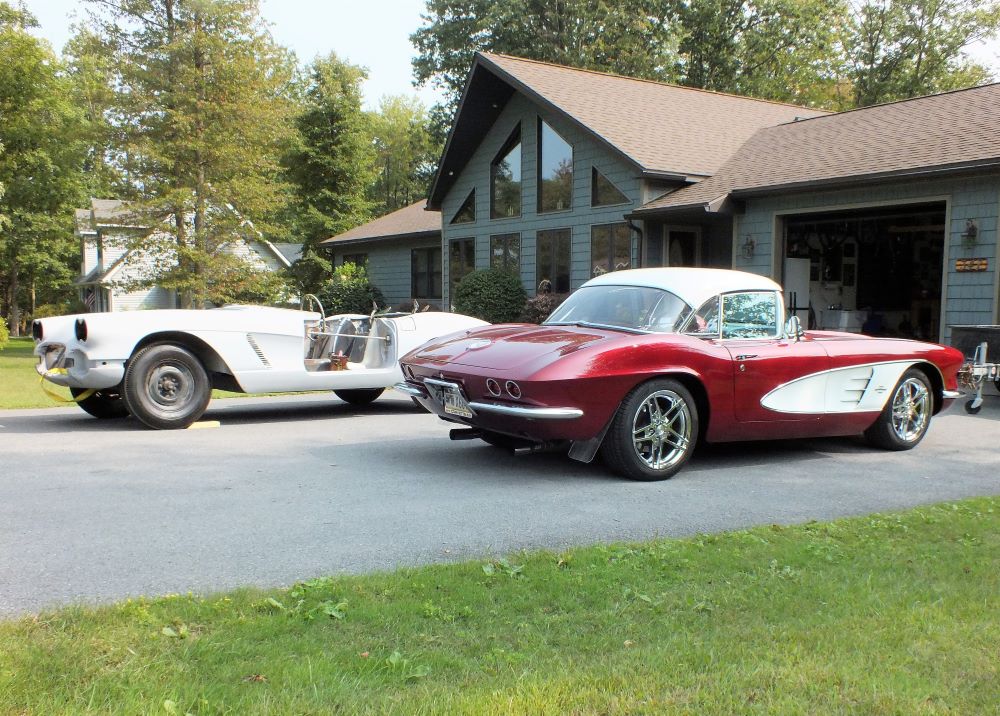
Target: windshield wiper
[(590, 324)]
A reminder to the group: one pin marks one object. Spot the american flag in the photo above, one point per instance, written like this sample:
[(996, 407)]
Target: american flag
[(90, 299)]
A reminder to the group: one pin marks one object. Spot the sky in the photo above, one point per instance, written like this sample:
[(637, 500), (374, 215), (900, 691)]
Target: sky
[(372, 33)]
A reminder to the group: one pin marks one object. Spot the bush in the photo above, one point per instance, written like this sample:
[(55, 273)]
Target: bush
[(350, 291), (491, 295), (4, 333), (539, 307)]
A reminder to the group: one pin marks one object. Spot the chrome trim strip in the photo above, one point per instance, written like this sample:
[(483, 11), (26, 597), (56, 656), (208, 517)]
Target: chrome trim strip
[(951, 394), (522, 411), (442, 383), (411, 390)]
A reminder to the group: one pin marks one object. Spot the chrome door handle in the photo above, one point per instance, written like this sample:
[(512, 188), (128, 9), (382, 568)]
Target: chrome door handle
[(746, 356)]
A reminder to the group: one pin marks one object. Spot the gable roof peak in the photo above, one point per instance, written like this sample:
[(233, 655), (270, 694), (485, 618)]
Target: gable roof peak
[(661, 83)]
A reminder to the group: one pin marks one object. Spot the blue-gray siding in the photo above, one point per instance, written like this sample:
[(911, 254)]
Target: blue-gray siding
[(389, 264), (968, 297)]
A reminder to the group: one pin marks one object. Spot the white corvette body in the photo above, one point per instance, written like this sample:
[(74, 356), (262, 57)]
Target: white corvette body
[(251, 349)]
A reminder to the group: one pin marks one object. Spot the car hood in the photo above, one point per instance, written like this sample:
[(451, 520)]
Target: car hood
[(512, 346)]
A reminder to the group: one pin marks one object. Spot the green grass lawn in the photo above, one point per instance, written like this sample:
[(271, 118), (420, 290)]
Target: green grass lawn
[(886, 614), (20, 386)]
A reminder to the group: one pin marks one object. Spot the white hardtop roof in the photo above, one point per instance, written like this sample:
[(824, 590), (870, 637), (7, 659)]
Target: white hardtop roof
[(692, 285)]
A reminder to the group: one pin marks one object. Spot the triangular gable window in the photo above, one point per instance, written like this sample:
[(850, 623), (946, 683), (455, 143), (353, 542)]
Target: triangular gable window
[(466, 213), (603, 192)]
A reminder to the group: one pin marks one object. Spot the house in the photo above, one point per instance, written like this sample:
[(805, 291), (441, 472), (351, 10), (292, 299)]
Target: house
[(881, 219), (402, 251), (109, 263)]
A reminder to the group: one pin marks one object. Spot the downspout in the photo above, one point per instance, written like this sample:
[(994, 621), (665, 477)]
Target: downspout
[(632, 225)]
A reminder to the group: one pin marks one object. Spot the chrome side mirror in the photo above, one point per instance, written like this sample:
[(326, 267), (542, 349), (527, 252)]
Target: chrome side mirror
[(793, 328)]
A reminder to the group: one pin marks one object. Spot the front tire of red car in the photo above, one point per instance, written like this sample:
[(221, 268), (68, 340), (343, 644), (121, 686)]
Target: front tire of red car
[(654, 431), (906, 416)]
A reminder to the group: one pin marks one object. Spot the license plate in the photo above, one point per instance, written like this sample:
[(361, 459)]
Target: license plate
[(450, 395)]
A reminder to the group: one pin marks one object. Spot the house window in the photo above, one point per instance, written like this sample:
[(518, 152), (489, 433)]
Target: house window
[(552, 252), (603, 192), (425, 272), (610, 248), (505, 252), (466, 213), (555, 170), (505, 179), (356, 259), (461, 261)]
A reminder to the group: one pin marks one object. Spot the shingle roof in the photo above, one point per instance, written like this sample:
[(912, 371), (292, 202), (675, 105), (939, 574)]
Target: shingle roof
[(946, 131), (411, 220), (658, 127), (662, 127)]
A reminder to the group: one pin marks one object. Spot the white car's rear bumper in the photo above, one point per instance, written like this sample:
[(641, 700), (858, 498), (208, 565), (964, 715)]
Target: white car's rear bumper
[(74, 369)]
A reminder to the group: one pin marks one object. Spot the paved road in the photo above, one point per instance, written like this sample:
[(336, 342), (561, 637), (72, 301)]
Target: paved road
[(299, 486)]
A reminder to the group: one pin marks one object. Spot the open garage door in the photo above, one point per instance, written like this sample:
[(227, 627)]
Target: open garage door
[(876, 271)]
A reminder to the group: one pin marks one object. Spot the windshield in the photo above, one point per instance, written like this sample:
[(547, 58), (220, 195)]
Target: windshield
[(630, 308)]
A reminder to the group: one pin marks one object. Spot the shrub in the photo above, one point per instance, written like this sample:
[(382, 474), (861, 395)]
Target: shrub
[(350, 291), (4, 333), (538, 308), (492, 295)]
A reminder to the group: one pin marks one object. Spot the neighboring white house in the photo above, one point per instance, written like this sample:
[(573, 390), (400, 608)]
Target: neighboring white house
[(108, 263)]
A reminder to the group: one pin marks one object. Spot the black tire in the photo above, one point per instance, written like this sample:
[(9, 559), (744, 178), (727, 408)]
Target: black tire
[(106, 404), (359, 396), (627, 453), (504, 442), (906, 416), (166, 387)]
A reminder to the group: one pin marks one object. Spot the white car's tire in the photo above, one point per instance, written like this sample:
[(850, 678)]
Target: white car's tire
[(359, 396), (166, 386), (103, 404)]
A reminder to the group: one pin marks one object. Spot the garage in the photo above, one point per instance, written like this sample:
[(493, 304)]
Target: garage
[(876, 270)]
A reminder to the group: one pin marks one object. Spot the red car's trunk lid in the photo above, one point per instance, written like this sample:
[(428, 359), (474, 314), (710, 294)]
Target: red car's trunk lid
[(510, 346)]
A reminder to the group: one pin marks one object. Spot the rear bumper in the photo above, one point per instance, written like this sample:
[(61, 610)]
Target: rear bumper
[(529, 412)]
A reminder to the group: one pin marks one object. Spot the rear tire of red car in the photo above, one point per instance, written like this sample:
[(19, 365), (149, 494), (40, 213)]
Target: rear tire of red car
[(907, 414), (654, 431), (166, 387), (359, 396), (104, 404)]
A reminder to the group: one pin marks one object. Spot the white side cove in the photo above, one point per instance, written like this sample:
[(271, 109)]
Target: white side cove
[(859, 388)]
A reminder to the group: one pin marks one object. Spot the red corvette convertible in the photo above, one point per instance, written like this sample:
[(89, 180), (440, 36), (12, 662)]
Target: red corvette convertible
[(641, 364)]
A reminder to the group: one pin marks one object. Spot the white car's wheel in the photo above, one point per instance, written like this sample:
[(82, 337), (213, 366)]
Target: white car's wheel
[(166, 386), (359, 396), (104, 404)]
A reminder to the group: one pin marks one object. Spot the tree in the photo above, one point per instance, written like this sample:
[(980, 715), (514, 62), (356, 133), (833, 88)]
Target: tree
[(632, 37), (773, 49), (405, 153), (331, 164), (906, 48), (202, 111), (90, 68), (39, 169)]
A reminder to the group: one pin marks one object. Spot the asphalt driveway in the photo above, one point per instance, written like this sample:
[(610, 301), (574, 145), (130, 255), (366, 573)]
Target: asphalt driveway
[(293, 487)]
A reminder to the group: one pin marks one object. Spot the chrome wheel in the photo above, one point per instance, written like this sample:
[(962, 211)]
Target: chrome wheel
[(661, 430), (171, 386), (911, 409)]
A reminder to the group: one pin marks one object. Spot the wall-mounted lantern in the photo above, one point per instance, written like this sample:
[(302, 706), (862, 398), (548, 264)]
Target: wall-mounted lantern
[(971, 232), (748, 247)]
